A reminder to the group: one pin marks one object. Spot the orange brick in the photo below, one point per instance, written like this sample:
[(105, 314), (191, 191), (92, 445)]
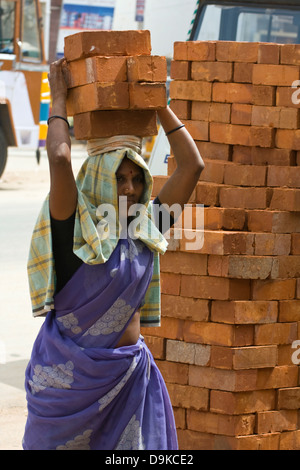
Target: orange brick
[(268, 54), (277, 377), (171, 328), (202, 287), (290, 54), (288, 139), (170, 283), (242, 73), (212, 71), (147, 69), (156, 346), (232, 93), (263, 95), (290, 440), (241, 135), (180, 70), (284, 96), (98, 96), (188, 397), (289, 310), (216, 423), (284, 176), (295, 249), (184, 263), (241, 114), (219, 218), (250, 357), (232, 51), (245, 175), (147, 96), (201, 50), (272, 156), (215, 151), (180, 51), (244, 312), (197, 129), (276, 333), (218, 334), (106, 43), (285, 199), (288, 267), (190, 90), (97, 124), (288, 398), (275, 75), (274, 289), (182, 108), (226, 380), (247, 198), (265, 116), (276, 421), (273, 221), (242, 402), (192, 440), (97, 69), (185, 308), (173, 372)]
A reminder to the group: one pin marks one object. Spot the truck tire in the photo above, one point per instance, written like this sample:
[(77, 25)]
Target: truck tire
[(3, 152)]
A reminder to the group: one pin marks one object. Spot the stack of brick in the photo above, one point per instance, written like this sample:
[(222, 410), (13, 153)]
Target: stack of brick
[(230, 309), (115, 86)]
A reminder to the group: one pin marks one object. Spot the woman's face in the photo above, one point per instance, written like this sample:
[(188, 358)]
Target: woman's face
[(130, 181)]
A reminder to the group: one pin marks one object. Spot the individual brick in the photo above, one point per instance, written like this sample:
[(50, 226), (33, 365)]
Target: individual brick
[(276, 333), (241, 114), (188, 397), (250, 357), (182, 108), (242, 72), (244, 312), (212, 71), (98, 96), (268, 53), (97, 69), (265, 116), (233, 134), (227, 380), (263, 95), (243, 267), (199, 130), (185, 308), (273, 221), (275, 75), (284, 176), (277, 377), (147, 96), (245, 198), (285, 199), (107, 43), (289, 311), (180, 70), (232, 93), (272, 244), (147, 69), (208, 287), (242, 402), (276, 421), (232, 51), (245, 175), (95, 124), (274, 289), (195, 50), (190, 90), (290, 54), (219, 218), (288, 398), (188, 353), (215, 423), (217, 334), (286, 95), (288, 139), (215, 151)]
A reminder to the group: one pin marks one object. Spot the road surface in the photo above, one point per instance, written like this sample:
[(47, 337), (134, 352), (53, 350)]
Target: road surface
[(23, 188)]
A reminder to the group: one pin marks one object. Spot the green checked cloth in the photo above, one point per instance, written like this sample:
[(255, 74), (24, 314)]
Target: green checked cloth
[(93, 243)]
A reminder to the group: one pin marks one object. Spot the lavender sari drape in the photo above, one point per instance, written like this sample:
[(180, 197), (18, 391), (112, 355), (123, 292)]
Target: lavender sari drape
[(83, 393)]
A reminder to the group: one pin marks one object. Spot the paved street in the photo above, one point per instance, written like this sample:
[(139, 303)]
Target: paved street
[(23, 187)]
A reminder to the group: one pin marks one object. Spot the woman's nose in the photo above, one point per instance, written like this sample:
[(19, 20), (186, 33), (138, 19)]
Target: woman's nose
[(129, 188)]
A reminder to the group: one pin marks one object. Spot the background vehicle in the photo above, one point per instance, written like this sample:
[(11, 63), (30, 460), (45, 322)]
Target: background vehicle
[(275, 21), (24, 95)]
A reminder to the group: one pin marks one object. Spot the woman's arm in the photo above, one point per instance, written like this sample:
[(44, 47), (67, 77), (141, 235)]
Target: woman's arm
[(63, 190), (181, 184)]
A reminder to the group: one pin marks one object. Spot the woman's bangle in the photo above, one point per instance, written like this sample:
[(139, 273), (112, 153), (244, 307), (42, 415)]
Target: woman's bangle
[(174, 130), (59, 117)]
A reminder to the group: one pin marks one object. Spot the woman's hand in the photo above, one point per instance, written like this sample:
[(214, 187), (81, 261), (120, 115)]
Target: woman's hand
[(58, 79)]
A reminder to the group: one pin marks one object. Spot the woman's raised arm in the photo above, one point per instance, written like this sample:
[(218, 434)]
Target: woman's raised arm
[(63, 190)]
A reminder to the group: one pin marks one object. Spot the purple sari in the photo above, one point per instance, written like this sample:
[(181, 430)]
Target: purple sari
[(83, 393)]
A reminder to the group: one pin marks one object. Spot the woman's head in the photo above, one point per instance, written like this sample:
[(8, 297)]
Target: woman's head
[(130, 181)]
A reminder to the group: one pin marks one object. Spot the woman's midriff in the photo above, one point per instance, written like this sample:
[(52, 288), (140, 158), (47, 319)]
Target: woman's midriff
[(132, 332)]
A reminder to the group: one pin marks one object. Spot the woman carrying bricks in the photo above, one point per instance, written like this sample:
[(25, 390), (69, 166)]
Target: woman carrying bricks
[(92, 382)]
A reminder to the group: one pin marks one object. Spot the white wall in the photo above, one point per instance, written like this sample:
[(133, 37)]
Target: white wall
[(167, 20)]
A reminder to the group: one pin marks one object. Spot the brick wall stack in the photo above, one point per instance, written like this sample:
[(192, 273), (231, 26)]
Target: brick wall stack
[(115, 85), (231, 310)]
